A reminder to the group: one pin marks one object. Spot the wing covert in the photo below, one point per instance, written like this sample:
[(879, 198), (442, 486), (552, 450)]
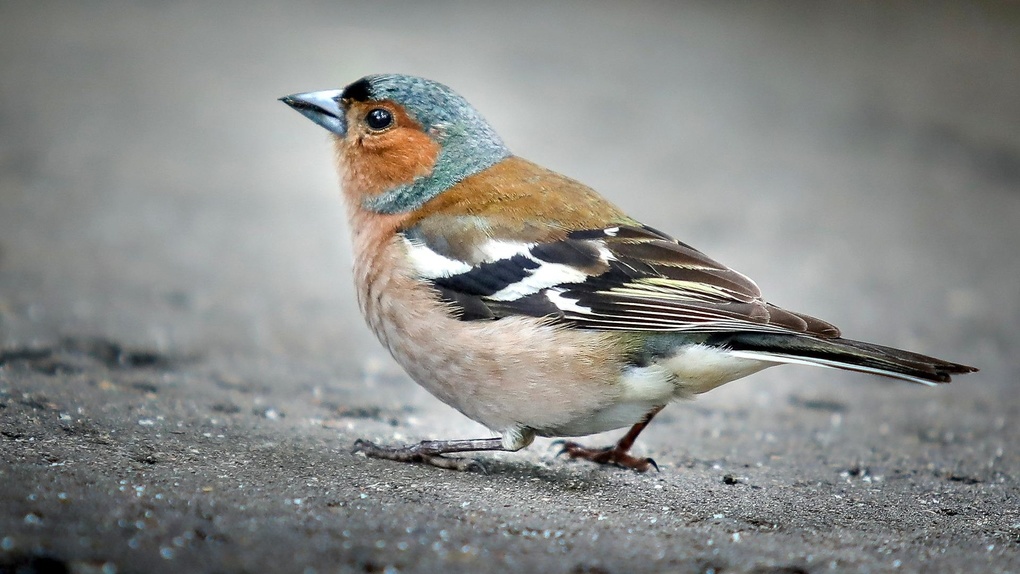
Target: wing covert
[(624, 277)]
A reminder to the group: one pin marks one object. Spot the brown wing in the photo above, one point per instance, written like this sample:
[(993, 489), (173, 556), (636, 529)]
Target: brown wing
[(626, 277), (655, 282)]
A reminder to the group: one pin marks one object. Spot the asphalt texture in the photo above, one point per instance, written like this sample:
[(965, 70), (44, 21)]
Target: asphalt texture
[(183, 369)]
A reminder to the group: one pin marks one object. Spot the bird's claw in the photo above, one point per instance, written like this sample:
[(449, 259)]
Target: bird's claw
[(613, 455), (411, 454)]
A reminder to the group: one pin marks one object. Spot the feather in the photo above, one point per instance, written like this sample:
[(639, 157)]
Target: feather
[(839, 353), (619, 278)]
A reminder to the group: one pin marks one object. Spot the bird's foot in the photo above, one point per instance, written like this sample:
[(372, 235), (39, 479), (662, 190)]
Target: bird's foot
[(614, 455), (413, 454)]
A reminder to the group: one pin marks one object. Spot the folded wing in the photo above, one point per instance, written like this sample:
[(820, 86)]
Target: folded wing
[(624, 277)]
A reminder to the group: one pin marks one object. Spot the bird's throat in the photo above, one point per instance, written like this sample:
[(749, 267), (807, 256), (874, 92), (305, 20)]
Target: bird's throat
[(369, 175)]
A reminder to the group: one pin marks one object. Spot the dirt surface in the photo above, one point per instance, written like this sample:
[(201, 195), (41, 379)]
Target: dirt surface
[(183, 369)]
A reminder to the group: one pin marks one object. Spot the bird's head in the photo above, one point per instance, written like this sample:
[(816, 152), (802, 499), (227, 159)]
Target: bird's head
[(401, 140)]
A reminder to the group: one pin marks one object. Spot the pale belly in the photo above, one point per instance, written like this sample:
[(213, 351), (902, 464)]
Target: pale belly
[(521, 376)]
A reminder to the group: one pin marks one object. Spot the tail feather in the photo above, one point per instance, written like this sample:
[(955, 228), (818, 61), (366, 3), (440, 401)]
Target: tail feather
[(846, 354)]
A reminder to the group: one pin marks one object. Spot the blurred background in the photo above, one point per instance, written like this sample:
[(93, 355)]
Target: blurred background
[(859, 160)]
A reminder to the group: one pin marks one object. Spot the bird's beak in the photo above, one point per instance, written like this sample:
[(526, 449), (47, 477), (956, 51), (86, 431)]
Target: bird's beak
[(322, 108)]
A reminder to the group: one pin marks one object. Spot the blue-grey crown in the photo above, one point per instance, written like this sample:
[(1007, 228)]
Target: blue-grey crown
[(469, 144)]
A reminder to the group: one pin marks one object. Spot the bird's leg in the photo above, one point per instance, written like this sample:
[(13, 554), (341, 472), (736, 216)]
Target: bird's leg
[(619, 453), (432, 451)]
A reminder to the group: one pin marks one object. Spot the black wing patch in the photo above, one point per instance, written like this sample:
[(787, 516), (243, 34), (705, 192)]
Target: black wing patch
[(580, 254), (629, 278), (487, 279)]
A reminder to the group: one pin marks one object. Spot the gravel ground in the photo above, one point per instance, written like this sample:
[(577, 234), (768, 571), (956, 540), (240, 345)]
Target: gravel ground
[(183, 369)]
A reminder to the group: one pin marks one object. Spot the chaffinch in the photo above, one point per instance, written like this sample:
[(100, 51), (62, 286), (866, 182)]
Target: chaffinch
[(528, 302)]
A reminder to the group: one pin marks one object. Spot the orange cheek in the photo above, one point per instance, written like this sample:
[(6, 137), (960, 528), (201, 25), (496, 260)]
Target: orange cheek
[(373, 164)]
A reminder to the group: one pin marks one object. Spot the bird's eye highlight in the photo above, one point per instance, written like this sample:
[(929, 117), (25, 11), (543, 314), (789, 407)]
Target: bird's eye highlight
[(379, 119)]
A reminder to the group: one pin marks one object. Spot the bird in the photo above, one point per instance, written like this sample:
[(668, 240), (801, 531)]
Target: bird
[(530, 303)]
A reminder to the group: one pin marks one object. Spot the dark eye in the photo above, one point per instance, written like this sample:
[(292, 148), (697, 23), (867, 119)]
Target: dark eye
[(379, 119)]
